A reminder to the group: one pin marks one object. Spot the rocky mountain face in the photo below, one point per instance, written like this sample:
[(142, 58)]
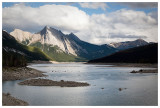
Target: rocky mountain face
[(61, 47), (16, 54), (51, 40), (21, 35), (129, 44)]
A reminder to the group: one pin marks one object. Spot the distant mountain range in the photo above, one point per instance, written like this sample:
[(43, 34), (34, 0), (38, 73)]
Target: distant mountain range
[(52, 44), (142, 54), (62, 47), (129, 44)]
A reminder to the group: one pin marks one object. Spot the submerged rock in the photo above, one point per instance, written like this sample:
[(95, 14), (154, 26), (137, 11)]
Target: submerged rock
[(120, 89)]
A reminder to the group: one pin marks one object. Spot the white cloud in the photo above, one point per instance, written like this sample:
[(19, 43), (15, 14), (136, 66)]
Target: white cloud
[(126, 24), (94, 5), (59, 16), (97, 28)]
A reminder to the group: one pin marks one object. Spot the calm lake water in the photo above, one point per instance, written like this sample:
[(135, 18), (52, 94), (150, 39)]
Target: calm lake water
[(141, 89)]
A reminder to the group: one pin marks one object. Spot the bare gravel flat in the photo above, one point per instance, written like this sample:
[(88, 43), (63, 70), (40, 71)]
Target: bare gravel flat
[(14, 73), (47, 82)]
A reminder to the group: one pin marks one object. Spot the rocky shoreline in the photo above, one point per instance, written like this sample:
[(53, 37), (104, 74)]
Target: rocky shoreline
[(145, 71), (143, 65), (147, 65), (8, 100), (17, 73), (47, 82), (20, 73)]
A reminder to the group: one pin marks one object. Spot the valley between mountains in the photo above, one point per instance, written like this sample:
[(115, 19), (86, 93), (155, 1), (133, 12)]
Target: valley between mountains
[(50, 44), (79, 54), (20, 48)]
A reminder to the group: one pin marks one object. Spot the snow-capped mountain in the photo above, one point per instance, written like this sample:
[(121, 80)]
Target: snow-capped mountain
[(128, 44), (70, 44)]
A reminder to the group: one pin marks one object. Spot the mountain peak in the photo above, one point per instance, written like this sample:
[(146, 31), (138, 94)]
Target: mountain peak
[(46, 27), (17, 30), (139, 40), (71, 33), (129, 44), (44, 30), (73, 37), (20, 35)]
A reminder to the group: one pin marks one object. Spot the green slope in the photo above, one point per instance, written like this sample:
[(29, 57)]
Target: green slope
[(56, 53), (14, 52)]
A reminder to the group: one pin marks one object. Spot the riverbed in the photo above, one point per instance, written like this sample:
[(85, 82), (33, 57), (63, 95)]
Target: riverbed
[(109, 86)]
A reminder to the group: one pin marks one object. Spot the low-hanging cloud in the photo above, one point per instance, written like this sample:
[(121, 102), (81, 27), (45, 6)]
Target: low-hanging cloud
[(124, 24)]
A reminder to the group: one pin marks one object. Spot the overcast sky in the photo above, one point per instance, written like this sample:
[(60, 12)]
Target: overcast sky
[(97, 23)]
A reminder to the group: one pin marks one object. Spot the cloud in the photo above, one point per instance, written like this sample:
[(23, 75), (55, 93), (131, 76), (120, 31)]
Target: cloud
[(117, 36), (94, 5), (154, 14), (127, 36), (59, 16), (140, 4), (120, 25)]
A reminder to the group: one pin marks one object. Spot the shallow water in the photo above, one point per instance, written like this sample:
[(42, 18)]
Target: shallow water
[(141, 89)]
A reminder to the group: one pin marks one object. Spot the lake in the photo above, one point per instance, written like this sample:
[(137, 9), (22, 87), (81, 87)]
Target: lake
[(104, 80)]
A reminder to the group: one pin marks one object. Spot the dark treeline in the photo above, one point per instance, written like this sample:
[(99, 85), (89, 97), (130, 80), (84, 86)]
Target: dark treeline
[(142, 54), (11, 59)]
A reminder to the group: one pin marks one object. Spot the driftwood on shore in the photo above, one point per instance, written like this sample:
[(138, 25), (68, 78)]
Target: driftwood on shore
[(47, 82)]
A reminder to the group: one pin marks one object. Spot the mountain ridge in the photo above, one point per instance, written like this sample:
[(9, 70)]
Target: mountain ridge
[(17, 54), (128, 44), (69, 44), (142, 54)]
